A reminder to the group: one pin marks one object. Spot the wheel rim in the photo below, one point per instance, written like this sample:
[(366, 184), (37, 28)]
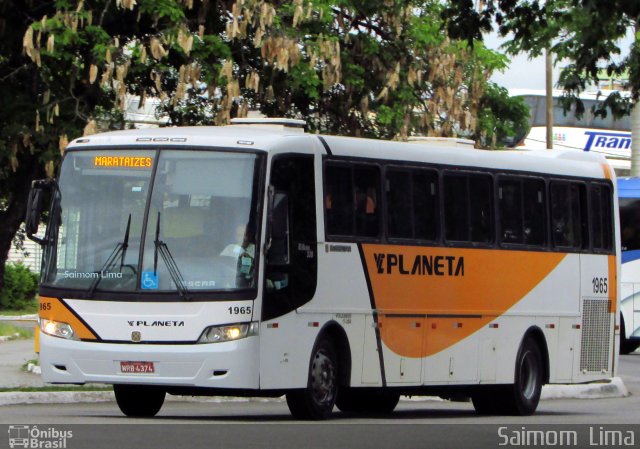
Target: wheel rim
[(322, 378), (528, 375)]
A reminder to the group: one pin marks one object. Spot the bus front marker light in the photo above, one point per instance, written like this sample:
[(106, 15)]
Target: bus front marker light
[(57, 329)]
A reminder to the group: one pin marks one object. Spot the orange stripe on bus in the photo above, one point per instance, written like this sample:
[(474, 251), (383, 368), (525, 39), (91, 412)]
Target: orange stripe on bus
[(443, 285), (613, 284), (54, 309)]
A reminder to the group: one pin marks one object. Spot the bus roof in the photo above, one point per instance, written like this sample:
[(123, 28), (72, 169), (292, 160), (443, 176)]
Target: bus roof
[(279, 135)]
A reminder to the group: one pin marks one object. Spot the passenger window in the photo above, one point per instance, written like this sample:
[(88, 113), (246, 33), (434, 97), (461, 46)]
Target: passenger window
[(425, 204), (366, 194), (467, 208), (411, 204), (338, 200), (399, 204), (521, 211), (567, 220), (480, 193), (456, 208), (510, 211), (352, 198), (534, 211)]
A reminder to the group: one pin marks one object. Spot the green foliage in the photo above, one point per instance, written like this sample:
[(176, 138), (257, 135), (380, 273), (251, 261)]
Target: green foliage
[(503, 120), (20, 286), (588, 34), (362, 68)]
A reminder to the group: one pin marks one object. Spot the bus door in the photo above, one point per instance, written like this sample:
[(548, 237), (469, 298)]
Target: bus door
[(290, 272)]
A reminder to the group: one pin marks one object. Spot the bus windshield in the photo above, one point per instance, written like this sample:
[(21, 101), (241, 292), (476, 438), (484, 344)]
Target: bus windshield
[(154, 221)]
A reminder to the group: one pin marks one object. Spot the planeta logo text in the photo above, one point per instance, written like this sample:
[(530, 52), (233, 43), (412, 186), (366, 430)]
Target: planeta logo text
[(420, 265), (156, 323)]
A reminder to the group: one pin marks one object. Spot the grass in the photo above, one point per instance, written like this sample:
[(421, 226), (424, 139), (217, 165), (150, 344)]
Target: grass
[(57, 388), (8, 330)]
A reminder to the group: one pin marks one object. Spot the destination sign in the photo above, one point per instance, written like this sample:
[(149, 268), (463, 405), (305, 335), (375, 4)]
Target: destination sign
[(141, 162)]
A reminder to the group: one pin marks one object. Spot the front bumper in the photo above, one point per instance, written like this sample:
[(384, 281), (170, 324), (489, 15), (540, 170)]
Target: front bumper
[(228, 365)]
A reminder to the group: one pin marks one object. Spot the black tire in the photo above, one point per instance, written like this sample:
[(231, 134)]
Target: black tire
[(142, 401), (367, 400), (626, 346), (522, 397), (316, 402)]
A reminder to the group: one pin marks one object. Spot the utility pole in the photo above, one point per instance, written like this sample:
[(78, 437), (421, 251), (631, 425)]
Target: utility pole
[(549, 105), (635, 129)]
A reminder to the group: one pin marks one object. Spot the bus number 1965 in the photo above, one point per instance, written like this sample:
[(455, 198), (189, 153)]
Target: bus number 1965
[(600, 285), (239, 310)]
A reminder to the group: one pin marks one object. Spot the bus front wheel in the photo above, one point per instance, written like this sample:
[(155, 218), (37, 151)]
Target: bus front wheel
[(317, 400), (142, 401)]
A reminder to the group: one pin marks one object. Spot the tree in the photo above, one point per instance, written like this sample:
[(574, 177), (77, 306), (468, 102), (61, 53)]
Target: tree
[(587, 33), (378, 68)]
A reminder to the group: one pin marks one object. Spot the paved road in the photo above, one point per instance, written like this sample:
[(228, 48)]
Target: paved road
[(256, 424), (267, 423)]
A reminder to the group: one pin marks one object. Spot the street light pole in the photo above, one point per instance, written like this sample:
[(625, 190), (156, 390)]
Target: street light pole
[(549, 105)]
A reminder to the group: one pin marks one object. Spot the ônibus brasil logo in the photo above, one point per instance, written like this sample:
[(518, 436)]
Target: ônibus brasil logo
[(33, 437)]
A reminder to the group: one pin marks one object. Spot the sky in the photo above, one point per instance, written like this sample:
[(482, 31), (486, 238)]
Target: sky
[(527, 73)]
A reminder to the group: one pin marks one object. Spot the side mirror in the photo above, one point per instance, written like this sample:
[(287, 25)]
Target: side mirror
[(278, 250), (34, 209)]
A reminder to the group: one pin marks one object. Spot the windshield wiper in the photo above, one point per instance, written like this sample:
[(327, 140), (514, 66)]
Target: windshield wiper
[(176, 276), (119, 251)]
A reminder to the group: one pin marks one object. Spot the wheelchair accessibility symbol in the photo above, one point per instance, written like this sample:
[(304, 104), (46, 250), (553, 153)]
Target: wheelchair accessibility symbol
[(149, 280)]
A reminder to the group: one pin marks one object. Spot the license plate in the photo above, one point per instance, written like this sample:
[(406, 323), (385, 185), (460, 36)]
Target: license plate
[(137, 367)]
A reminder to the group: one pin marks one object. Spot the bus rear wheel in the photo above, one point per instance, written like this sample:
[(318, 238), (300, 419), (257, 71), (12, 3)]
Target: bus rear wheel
[(367, 400), (522, 397), (317, 400), (142, 401)]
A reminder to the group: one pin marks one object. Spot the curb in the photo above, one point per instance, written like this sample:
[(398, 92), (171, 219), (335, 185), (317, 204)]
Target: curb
[(615, 388), (5, 338), (31, 317)]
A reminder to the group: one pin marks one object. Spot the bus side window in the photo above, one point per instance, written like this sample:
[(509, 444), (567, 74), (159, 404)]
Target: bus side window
[(366, 192), (480, 193), (568, 215), (601, 228), (352, 199), (510, 211), (467, 207), (456, 207), (534, 211), (399, 205), (412, 203), (521, 211), (339, 200)]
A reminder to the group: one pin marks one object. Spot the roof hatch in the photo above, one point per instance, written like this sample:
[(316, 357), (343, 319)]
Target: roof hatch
[(283, 123)]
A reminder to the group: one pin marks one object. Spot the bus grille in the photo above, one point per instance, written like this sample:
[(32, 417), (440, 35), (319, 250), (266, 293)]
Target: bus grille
[(596, 334)]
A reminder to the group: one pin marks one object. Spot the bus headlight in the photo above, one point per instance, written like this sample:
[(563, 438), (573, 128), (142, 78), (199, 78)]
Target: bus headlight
[(228, 332), (57, 329)]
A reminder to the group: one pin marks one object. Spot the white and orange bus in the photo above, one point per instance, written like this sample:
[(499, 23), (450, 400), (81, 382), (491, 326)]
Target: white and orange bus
[(256, 259)]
